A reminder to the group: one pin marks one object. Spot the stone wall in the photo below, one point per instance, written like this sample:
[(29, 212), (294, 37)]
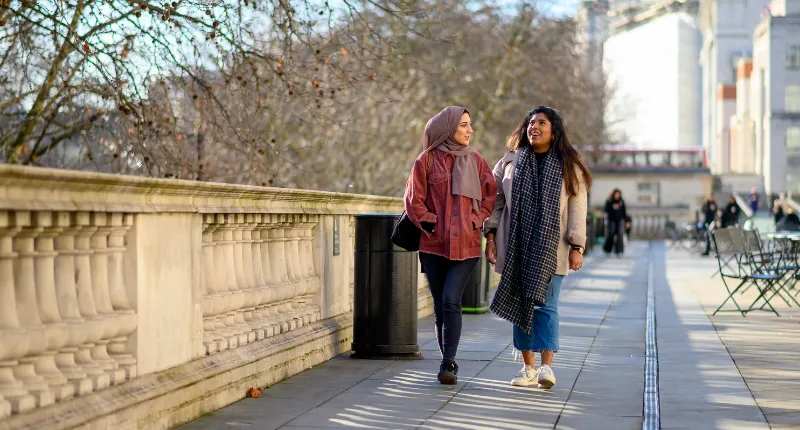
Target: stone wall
[(129, 302)]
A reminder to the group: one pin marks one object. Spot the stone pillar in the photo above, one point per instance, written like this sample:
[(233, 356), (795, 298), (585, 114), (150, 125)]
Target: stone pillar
[(66, 291), (13, 338)]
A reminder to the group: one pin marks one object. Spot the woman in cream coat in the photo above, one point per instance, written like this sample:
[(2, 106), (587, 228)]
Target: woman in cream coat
[(537, 240)]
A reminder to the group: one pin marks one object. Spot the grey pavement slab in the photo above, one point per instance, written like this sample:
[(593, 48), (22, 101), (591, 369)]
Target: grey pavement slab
[(723, 372)]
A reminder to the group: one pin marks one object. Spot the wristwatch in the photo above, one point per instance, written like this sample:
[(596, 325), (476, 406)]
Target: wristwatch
[(577, 248)]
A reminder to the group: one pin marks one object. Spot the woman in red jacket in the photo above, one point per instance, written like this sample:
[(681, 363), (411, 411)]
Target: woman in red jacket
[(450, 193)]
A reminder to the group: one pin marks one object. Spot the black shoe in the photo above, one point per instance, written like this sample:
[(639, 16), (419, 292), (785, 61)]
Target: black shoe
[(705, 254), (448, 373)]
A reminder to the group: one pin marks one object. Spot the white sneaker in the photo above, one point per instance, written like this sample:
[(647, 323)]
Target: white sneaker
[(524, 377), (546, 377)]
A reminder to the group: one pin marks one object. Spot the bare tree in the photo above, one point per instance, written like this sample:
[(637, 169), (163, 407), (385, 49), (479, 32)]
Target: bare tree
[(338, 106), (95, 56)]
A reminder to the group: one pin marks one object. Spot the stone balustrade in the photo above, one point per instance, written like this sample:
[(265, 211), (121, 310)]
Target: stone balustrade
[(111, 285)]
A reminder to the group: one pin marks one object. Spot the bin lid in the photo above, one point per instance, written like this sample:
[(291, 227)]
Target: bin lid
[(374, 232)]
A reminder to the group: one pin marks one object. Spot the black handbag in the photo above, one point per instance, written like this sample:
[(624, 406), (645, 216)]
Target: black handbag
[(406, 235)]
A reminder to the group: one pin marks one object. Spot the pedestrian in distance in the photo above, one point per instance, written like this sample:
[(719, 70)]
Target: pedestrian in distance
[(535, 235), (752, 199), (730, 215), (709, 218), (449, 194), (616, 220)]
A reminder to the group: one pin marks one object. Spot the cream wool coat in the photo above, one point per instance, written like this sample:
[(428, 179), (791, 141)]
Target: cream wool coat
[(573, 215)]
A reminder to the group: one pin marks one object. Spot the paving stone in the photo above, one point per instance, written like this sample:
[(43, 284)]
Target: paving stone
[(720, 372)]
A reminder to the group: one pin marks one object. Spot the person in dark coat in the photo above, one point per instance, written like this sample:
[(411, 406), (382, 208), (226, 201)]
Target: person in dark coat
[(730, 216), (790, 222), (616, 216), (709, 216)]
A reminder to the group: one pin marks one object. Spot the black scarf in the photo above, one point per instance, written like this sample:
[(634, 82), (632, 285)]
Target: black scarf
[(534, 234)]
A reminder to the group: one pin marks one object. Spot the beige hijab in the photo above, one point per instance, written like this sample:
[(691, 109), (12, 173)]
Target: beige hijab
[(439, 134)]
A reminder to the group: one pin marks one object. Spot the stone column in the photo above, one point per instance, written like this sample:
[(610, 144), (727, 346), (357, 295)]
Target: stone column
[(296, 302), (212, 303), (66, 292), (223, 271), (233, 279), (259, 272), (280, 263), (13, 338), (113, 323), (56, 330), (118, 293), (95, 323), (268, 309), (28, 311), (244, 238)]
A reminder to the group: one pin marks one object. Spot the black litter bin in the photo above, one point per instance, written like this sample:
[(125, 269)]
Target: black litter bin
[(385, 296), (476, 293)]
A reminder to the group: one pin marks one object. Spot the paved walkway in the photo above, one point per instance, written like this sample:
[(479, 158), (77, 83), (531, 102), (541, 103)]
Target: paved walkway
[(751, 384)]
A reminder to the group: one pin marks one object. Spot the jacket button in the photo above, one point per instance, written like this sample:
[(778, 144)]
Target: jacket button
[(456, 214), (455, 234)]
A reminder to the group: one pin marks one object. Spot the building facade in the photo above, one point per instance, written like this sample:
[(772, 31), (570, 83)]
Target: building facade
[(751, 90), (592, 24), (727, 32), (776, 105), (650, 58)]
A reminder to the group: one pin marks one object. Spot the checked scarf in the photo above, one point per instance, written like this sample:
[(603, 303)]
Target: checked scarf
[(534, 234)]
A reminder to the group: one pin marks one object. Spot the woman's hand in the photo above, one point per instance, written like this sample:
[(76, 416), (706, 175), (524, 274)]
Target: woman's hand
[(575, 260), (491, 251)]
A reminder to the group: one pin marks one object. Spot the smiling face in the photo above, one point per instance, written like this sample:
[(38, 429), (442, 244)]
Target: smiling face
[(540, 133), (464, 131)]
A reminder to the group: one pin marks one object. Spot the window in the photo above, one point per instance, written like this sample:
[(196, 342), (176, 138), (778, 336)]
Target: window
[(793, 57), (793, 183), (646, 186), (793, 98), (793, 141), (658, 159)]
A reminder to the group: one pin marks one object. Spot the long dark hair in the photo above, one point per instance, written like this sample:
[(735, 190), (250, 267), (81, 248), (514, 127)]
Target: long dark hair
[(615, 191), (569, 156)]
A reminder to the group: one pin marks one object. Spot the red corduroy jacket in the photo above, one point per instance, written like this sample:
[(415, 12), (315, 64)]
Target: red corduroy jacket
[(456, 234)]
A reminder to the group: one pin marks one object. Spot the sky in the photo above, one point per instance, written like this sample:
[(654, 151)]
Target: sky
[(560, 8)]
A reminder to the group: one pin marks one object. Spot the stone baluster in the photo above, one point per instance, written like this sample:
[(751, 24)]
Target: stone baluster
[(212, 300), (5, 407), (13, 338), (56, 329), (279, 265), (251, 293), (293, 231), (309, 258), (113, 324), (118, 292), (352, 258), (261, 274), (95, 323), (223, 270), (295, 304), (28, 311), (233, 279), (243, 313), (66, 291), (267, 309), (304, 260)]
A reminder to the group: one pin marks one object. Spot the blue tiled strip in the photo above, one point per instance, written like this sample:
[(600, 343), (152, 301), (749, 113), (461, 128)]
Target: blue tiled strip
[(652, 416)]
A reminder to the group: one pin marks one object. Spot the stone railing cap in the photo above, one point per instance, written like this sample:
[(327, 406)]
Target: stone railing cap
[(34, 188)]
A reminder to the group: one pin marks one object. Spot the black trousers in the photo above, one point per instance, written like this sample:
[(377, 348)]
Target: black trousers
[(614, 239), (447, 279)]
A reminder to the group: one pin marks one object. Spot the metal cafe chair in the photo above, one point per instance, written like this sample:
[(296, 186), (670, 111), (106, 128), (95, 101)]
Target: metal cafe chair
[(729, 244), (778, 261)]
